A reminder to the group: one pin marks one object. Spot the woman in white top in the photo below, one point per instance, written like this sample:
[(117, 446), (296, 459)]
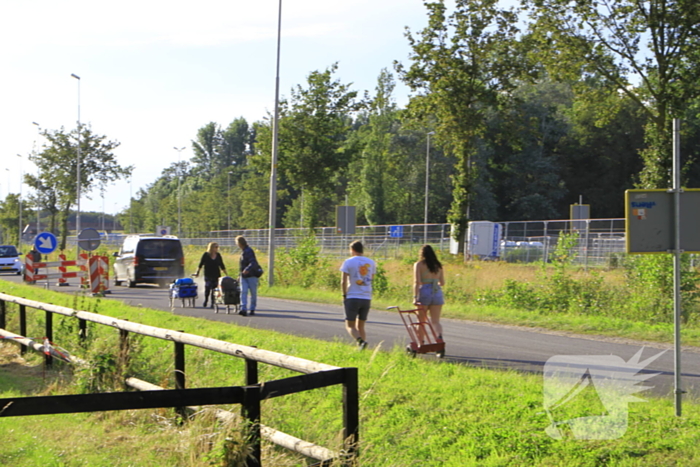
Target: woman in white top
[(428, 280)]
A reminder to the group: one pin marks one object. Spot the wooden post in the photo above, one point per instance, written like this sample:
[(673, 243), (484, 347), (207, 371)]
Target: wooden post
[(23, 327), (48, 359), (351, 414), (2, 314), (251, 412)]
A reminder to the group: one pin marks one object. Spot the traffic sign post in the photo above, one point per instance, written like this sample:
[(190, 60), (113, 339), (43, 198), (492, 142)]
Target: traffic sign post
[(650, 221), (653, 225), (89, 239), (345, 219)]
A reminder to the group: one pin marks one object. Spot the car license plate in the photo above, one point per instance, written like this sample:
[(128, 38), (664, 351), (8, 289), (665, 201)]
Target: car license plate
[(160, 268), (5, 267)]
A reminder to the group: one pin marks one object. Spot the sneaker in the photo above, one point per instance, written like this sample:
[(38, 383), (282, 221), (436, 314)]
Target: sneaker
[(361, 345), (252, 312), (205, 304), (242, 313)]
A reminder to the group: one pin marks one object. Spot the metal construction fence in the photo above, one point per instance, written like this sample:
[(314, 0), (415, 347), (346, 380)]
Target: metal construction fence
[(600, 242)]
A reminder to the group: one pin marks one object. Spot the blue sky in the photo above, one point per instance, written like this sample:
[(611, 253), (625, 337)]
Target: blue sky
[(153, 72)]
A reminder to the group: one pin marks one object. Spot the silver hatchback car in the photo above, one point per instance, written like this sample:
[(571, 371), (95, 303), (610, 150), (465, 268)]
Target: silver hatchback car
[(10, 260)]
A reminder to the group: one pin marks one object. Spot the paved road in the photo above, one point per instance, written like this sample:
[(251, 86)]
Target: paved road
[(495, 346)]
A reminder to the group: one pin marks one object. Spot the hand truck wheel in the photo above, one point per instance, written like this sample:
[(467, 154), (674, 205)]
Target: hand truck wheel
[(410, 351)]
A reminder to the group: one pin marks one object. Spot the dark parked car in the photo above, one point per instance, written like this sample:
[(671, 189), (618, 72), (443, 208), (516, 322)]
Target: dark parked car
[(149, 259)]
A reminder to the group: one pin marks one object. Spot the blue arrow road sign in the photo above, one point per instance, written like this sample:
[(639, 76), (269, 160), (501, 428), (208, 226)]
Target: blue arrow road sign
[(45, 242)]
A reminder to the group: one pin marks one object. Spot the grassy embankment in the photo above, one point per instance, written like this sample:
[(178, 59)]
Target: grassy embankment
[(413, 411)]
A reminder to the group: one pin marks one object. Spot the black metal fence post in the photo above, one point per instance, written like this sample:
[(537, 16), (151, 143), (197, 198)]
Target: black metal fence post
[(251, 413), (48, 359), (351, 415), (124, 352), (180, 374), (251, 372), (23, 327), (82, 329), (2, 314)]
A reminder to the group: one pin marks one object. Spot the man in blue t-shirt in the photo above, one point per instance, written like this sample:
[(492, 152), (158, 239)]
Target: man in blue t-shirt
[(356, 284)]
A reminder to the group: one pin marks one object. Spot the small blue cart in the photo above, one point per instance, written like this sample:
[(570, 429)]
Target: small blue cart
[(184, 289)]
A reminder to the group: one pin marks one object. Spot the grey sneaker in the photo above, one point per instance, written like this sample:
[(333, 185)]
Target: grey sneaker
[(361, 345)]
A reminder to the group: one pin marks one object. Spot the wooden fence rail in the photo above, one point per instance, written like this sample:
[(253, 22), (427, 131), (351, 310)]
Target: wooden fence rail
[(314, 375)]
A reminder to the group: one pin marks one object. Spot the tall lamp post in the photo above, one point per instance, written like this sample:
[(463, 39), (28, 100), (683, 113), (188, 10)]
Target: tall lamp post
[(228, 202), (179, 198), (21, 175), (131, 204), (77, 217), (273, 168), (38, 205), (427, 188)]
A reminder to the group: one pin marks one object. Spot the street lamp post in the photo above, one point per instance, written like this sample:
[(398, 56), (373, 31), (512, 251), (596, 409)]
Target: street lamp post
[(179, 198), (21, 175), (38, 205), (102, 192), (427, 188), (77, 217), (131, 204), (273, 168), (228, 202)]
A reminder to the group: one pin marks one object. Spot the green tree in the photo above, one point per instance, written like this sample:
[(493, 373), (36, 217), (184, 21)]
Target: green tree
[(313, 149), (216, 150), (207, 148), (57, 164), (238, 142), (462, 65), (9, 219), (646, 49), (373, 176)]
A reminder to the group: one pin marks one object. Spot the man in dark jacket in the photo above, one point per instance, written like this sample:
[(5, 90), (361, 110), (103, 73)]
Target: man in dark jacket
[(250, 272)]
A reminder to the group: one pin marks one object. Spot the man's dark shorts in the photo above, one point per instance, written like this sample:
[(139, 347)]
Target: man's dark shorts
[(356, 307)]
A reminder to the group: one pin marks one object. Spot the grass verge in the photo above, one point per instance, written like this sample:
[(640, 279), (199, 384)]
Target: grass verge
[(413, 411)]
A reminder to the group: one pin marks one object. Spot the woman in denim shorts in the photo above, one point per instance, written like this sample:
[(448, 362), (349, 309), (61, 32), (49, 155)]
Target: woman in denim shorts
[(428, 280)]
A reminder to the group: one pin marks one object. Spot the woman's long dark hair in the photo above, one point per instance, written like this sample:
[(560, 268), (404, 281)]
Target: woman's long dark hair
[(427, 254)]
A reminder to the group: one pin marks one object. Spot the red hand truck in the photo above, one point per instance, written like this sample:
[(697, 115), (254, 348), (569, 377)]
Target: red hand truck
[(416, 328)]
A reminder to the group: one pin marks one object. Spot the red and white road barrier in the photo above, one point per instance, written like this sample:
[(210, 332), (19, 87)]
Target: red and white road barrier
[(31, 274), (93, 271), (99, 274)]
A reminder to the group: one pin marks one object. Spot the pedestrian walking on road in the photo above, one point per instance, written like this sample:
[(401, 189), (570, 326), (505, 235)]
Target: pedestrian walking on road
[(250, 273), (428, 280), (212, 262), (356, 284)]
